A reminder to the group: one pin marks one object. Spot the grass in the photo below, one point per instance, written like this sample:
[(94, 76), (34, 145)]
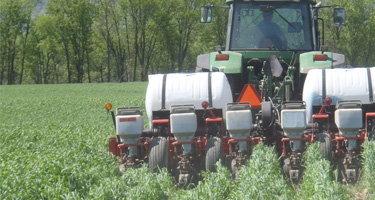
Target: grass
[(213, 186), (318, 182), (262, 177), (54, 139), (54, 144), (367, 185)]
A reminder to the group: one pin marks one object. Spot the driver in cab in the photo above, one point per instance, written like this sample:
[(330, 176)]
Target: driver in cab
[(268, 34)]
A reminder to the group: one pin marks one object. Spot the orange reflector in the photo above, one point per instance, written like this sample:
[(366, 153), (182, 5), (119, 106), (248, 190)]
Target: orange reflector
[(320, 57), (222, 57), (250, 94), (108, 106)]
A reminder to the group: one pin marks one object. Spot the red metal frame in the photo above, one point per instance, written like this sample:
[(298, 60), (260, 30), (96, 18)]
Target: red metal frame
[(363, 137), (256, 140), (160, 121), (163, 122), (337, 143), (130, 145), (304, 138), (310, 137), (227, 142), (251, 139), (217, 120), (226, 145), (369, 116), (202, 145), (124, 147), (172, 149), (338, 139), (239, 140), (119, 149), (113, 148), (190, 142), (177, 146), (320, 118)]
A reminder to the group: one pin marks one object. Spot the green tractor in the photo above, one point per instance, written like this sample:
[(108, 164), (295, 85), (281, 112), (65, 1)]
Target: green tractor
[(272, 45), (272, 83)]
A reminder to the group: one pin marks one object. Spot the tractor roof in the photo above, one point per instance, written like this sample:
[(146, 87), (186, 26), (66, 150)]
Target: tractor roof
[(310, 1)]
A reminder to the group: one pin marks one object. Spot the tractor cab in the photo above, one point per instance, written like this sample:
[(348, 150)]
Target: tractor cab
[(271, 26), (265, 40)]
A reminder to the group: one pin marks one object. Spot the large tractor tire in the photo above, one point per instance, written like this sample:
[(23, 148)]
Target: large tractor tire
[(158, 157), (325, 141), (214, 152)]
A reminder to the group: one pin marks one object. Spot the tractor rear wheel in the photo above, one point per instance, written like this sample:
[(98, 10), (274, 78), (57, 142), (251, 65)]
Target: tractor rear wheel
[(325, 141), (158, 157), (214, 152)]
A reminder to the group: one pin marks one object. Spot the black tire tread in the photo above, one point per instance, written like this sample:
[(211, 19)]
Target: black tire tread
[(158, 157), (214, 152), (325, 141)]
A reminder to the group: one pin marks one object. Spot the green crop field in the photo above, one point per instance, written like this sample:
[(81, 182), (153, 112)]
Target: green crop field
[(54, 144)]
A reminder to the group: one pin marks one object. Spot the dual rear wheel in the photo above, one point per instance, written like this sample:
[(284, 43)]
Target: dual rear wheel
[(325, 142), (214, 152), (158, 157)]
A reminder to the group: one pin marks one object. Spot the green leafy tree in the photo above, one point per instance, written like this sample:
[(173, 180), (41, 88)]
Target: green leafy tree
[(355, 38), (28, 9), (178, 27), (15, 19), (55, 9), (45, 51), (74, 20), (112, 28), (209, 35), (214, 33), (141, 15)]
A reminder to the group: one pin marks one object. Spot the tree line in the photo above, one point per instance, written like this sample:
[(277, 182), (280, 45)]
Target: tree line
[(76, 41), (355, 39)]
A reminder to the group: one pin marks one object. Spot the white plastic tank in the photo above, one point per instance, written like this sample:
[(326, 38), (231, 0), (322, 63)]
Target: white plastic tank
[(166, 90), (129, 128), (239, 123), (183, 126), (348, 121), (339, 84), (293, 122), (183, 121)]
